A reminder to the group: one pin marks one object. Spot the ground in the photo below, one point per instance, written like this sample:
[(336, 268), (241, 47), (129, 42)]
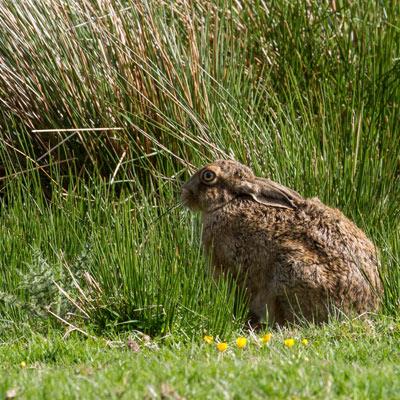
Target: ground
[(350, 359)]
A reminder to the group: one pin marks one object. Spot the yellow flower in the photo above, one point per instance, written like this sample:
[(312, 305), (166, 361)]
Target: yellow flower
[(241, 342), (304, 342), (266, 338), (208, 339), (23, 364), (289, 342), (221, 347)]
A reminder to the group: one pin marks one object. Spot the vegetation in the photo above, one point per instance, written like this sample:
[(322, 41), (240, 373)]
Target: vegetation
[(351, 359), (106, 107), (114, 262)]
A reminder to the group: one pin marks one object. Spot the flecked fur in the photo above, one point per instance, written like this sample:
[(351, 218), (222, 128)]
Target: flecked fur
[(296, 257)]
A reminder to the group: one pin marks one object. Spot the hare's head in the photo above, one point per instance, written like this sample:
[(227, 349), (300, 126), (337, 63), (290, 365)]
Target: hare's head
[(222, 181)]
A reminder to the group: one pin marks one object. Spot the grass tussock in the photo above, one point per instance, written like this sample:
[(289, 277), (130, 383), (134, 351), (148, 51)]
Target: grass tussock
[(99, 264)]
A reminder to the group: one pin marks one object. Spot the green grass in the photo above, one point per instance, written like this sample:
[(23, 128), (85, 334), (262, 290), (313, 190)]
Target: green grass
[(92, 234), (346, 360), (113, 263)]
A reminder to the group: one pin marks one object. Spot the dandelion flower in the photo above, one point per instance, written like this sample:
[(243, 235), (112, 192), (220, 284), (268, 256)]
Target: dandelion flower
[(221, 347), (208, 339), (289, 342), (241, 342), (304, 342), (23, 364), (266, 338)]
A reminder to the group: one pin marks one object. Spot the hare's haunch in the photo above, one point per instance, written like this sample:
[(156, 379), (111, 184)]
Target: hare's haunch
[(296, 257)]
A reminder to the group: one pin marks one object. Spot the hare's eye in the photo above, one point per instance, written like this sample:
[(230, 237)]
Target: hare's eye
[(208, 176)]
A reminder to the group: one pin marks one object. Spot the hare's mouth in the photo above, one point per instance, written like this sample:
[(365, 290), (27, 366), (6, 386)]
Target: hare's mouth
[(188, 199)]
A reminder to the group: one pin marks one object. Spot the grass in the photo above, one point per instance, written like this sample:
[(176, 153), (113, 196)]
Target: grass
[(112, 263), (344, 360), (93, 236)]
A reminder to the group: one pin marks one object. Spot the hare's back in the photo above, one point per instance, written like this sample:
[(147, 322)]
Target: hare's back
[(338, 238), (331, 257)]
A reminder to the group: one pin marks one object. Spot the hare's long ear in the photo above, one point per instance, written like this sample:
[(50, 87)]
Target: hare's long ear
[(269, 193)]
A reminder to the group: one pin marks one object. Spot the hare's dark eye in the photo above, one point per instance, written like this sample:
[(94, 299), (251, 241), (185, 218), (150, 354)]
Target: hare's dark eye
[(208, 176)]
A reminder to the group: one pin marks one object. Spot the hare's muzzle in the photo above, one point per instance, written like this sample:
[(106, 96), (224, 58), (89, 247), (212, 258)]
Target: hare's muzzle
[(187, 197)]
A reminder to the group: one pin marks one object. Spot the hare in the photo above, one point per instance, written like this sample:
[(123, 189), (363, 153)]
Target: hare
[(295, 257)]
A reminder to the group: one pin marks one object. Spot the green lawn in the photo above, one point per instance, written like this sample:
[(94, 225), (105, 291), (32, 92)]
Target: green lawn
[(359, 360)]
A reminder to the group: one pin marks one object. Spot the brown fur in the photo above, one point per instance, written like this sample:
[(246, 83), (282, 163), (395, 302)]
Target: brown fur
[(296, 257)]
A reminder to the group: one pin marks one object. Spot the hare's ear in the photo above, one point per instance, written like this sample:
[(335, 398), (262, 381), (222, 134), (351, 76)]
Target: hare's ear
[(271, 194)]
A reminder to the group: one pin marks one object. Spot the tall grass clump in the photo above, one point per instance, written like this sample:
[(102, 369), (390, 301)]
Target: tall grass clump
[(99, 262), (298, 89), (306, 93)]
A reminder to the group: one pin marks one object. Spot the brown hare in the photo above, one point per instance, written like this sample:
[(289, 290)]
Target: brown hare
[(296, 257)]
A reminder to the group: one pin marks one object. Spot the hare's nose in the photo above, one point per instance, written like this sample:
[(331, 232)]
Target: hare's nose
[(185, 186), (186, 191)]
